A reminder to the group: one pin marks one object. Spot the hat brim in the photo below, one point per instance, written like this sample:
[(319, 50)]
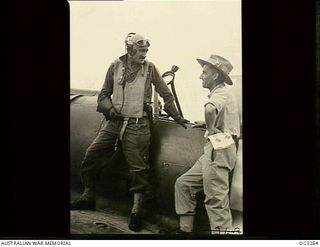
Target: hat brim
[(204, 62)]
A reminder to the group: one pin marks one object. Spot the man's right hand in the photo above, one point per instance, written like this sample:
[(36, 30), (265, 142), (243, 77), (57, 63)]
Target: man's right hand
[(113, 113), (199, 124), (182, 121)]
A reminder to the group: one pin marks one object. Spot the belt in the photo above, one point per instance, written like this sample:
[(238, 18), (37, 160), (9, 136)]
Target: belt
[(126, 120), (137, 120)]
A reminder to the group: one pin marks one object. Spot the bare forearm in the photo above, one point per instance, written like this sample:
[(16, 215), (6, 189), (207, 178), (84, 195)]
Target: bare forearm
[(210, 118)]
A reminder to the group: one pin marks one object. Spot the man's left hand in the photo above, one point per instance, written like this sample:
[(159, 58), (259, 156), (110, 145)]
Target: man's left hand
[(214, 131)]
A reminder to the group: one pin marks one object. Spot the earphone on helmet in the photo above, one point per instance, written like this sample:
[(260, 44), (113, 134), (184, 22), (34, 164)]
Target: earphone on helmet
[(128, 40), (129, 43)]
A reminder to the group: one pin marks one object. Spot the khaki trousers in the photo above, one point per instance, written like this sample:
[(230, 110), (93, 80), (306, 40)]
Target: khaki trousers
[(210, 173)]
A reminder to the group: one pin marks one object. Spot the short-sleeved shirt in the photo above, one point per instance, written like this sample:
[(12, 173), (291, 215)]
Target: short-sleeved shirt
[(228, 120)]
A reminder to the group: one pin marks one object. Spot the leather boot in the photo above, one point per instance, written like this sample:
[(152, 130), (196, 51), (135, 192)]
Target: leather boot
[(87, 201), (135, 223)]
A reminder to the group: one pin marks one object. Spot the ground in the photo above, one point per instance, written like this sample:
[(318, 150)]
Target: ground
[(102, 222), (112, 222)]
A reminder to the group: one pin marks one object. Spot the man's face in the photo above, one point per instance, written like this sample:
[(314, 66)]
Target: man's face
[(140, 54), (208, 76)]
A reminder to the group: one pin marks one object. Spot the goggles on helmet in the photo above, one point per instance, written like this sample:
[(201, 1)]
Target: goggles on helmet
[(136, 39), (142, 42)]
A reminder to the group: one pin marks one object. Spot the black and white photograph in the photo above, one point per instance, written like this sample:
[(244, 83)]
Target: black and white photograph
[(160, 120), (156, 118)]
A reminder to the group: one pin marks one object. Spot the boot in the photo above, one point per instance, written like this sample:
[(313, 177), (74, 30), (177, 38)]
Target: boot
[(87, 201), (185, 226), (186, 223), (135, 223), (174, 231)]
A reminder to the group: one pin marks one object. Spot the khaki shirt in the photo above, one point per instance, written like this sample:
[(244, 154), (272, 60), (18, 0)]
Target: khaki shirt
[(228, 120)]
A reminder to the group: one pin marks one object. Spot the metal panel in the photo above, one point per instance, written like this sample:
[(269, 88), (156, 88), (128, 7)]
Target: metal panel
[(84, 126)]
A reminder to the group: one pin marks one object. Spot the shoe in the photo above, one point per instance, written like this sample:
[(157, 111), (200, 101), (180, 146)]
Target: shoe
[(135, 222), (82, 204), (174, 231)]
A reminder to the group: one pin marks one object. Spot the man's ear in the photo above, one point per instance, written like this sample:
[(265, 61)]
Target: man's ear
[(215, 76)]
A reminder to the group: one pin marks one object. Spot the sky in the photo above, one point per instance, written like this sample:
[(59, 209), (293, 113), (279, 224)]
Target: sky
[(179, 32)]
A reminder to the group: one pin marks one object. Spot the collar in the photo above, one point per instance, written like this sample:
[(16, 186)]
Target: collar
[(220, 85), (124, 58)]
